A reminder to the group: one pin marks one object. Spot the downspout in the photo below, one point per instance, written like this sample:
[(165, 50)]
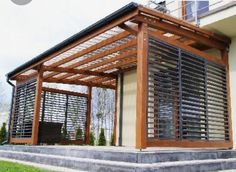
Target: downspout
[(11, 108)]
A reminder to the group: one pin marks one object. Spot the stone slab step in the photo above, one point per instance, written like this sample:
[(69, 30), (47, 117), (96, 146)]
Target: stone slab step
[(86, 164), (124, 155)]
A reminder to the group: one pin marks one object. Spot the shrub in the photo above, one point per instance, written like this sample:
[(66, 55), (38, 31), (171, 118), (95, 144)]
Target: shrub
[(112, 142), (102, 138), (3, 133), (64, 134), (79, 134), (91, 139)]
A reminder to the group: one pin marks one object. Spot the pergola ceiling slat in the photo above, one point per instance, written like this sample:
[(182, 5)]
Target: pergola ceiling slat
[(123, 55), (130, 60), (100, 55), (92, 48)]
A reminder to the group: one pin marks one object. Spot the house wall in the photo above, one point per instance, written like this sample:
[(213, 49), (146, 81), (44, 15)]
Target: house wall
[(232, 69), (129, 109)]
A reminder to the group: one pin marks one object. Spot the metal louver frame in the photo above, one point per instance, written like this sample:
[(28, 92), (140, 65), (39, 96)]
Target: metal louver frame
[(187, 96)]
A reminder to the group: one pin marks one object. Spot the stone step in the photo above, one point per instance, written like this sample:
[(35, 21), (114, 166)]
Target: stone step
[(125, 155), (86, 164)]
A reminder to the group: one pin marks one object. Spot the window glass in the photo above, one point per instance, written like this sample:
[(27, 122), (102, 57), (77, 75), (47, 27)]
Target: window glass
[(190, 6)]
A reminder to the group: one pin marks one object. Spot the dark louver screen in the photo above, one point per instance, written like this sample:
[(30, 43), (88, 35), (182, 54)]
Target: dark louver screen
[(24, 110), (67, 110), (187, 97)]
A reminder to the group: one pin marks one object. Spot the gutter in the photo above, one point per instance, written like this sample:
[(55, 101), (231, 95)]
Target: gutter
[(11, 109)]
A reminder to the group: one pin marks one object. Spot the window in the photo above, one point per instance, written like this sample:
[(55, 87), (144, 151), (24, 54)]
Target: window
[(190, 7)]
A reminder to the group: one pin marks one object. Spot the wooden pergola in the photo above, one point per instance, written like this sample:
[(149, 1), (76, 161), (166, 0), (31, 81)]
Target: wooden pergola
[(97, 55)]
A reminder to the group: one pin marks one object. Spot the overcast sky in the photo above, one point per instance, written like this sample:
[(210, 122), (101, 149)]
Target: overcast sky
[(26, 31)]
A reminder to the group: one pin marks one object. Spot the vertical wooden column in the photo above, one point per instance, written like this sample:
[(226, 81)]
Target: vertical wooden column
[(115, 115), (88, 117), (225, 58), (142, 81), (35, 128)]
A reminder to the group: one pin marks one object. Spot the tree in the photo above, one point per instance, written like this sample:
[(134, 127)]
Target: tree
[(102, 138), (3, 133), (91, 139), (79, 134), (112, 141)]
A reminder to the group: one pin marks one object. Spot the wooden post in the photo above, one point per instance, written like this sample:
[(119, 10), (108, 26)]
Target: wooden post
[(142, 81), (88, 118), (35, 129), (115, 115), (225, 58)]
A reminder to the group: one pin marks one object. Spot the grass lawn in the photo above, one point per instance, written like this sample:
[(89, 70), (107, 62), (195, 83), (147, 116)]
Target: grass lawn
[(15, 167)]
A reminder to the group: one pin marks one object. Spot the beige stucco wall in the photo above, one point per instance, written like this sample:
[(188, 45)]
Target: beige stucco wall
[(232, 68), (129, 109)]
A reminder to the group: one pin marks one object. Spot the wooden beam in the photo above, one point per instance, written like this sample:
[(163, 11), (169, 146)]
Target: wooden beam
[(142, 81), (74, 82), (189, 144), (99, 55), (129, 29), (20, 140), (85, 38), (37, 104), (187, 48), (168, 27), (77, 71), (72, 93), (184, 25), (88, 117)]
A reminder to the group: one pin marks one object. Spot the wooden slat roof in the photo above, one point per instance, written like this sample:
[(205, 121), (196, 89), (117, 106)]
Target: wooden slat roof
[(96, 55)]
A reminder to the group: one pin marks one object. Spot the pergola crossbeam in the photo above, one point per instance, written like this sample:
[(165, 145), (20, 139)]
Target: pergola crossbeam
[(83, 83), (168, 27), (77, 71)]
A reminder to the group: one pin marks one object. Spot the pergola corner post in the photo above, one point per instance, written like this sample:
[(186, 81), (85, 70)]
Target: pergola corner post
[(88, 117), (35, 126), (142, 81)]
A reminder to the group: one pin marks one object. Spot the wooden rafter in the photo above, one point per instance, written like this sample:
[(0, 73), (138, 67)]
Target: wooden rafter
[(120, 64), (129, 29), (123, 55), (89, 50), (98, 56)]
